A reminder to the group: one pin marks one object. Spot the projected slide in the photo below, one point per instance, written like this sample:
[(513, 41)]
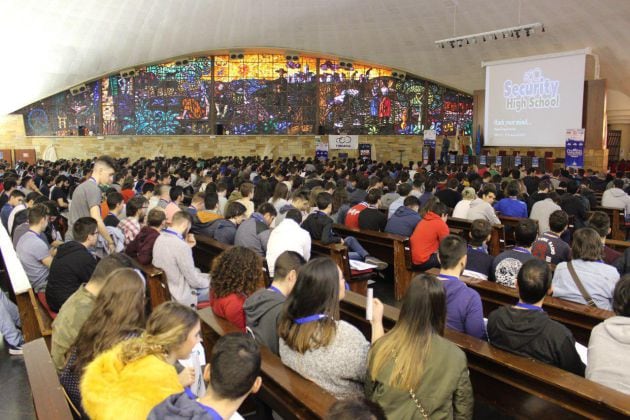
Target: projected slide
[(531, 103)]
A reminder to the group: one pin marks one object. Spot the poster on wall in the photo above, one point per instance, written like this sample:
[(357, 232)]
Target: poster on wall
[(535, 162), (451, 158), (517, 161), (365, 151), (574, 148), (321, 149), (343, 142), (483, 160), (466, 160), (429, 138), (499, 161)]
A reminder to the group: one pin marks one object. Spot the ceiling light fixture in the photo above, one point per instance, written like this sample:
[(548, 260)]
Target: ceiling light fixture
[(513, 32)]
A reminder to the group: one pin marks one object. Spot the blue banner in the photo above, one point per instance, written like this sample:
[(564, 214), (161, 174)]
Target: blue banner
[(499, 160), (517, 161), (535, 162), (451, 158), (365, 151), (574, 154), (466, 160)]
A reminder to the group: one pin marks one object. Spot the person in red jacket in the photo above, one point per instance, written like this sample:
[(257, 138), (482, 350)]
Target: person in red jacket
[(352, 216), (141, 248), (426, 238), (235, 275)]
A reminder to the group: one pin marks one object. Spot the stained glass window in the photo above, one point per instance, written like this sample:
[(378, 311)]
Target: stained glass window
[(254, 94)]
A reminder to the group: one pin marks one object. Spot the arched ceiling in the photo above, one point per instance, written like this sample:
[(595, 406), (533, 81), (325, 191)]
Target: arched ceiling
[(48, 46)]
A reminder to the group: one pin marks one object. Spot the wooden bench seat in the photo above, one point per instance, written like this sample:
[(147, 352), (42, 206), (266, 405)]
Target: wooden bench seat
[(496, 245), (618, 245), (510, 224), (156, 284), (48, 395), (283, 390), (339, 253), (514, 385), (617, 222), (387, 247)]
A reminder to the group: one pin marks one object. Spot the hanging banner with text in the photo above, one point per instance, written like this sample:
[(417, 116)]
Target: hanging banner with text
[(429, 138), (345, 142), (321, 149), (365, 151), (574, 148)]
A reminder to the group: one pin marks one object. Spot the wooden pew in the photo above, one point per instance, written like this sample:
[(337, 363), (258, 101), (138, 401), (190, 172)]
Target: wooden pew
[(514, 385), (617, 222), (496, 245), (580, 319), (339, 254), (617, 245), (283, 390), (157, 284), (36, 322), (48, 395), (387, 247), (510, 224)]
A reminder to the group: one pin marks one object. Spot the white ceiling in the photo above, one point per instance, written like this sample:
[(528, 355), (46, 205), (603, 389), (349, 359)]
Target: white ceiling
[(50, 45)]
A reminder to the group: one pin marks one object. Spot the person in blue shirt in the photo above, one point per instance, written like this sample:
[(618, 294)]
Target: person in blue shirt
[(464, 312), (16, 198), (512, 206), (405, 218), (233, 374)]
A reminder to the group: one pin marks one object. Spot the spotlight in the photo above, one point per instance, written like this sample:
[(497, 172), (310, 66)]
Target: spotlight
[(442, 44), (484, 38), (452, 44), (543, 29), (518, 34), (467, 42), (495, 37)]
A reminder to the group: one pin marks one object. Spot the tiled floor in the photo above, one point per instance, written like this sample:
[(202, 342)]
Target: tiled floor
[(15, 397)]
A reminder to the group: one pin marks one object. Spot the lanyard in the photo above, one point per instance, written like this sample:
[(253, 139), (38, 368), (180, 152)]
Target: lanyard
[(93, 179), (274, 289), (478, 248), (446, 277), (209, 410), (528, 306), (39, 235), (308, 319), (521, 249), (172, 232), (259, 217)]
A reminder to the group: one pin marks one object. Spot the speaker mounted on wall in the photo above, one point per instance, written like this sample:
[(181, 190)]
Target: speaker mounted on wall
[(77, 90), (125, 74)]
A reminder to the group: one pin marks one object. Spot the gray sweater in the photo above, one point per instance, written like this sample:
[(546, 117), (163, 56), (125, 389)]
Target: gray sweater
[(174, 256), (339, 368), (609, 352)]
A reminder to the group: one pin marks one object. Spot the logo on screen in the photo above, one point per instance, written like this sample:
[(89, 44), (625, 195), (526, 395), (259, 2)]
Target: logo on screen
[(535, 92)]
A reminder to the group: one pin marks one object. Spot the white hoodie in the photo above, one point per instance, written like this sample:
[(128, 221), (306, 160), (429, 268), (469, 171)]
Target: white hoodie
[(609, 354), (616, 198)]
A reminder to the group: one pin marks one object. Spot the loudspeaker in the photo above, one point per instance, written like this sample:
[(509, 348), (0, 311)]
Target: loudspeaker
[(219, 129), (320, 130), (82, 130)]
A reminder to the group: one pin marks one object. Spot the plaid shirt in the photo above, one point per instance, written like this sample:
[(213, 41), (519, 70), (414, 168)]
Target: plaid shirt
[(130, 228)]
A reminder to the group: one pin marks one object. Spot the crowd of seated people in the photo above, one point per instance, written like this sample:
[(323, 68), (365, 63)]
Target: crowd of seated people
[(120, 213)]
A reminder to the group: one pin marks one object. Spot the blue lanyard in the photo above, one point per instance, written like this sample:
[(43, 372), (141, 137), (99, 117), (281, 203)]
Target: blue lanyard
[(171, 232), (320, 212), (308, 319), (39, 235), (274, 289), (209, 410), (521, 249), (528, 306), (478, 248), (259, 217), (93, 179), (446, 277)]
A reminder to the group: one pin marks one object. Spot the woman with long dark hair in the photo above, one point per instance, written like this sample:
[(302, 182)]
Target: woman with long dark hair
[(413, 371), (314, 342), (118, 315)]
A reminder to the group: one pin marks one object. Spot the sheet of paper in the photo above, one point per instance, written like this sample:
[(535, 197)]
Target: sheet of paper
[(582, 351), (360, 265)]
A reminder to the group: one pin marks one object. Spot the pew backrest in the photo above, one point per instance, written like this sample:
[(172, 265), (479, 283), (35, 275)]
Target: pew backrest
[(389, 248), (286, 392), (513, 384), (48, 395), (496, 245), (617, 222), (157, 283)]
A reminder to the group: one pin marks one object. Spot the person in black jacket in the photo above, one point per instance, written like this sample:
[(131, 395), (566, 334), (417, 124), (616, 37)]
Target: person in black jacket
[(450, 196), (371, 217), (73, 264), (574, 204), (320, 226), (526, 329)]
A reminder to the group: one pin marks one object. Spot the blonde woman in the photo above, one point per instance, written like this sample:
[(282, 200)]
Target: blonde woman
[(415, 373), (461, 209), (136, 375)]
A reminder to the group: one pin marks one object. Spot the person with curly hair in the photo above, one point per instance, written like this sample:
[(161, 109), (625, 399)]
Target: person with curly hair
[(236, 274)]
